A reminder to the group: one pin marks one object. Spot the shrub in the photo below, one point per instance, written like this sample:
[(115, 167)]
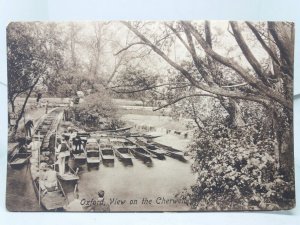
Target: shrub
[(97, 109), (237, 171)]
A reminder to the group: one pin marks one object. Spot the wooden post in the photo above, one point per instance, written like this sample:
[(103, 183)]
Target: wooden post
[(39, 166), (55, 142), (66, 197), (24, 124)]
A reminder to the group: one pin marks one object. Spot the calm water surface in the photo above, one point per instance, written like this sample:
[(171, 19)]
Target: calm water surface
[(161, 178), (121, 181)]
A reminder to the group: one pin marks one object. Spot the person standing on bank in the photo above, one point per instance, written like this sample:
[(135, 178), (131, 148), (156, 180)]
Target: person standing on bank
[(28, 126), (47, 105), (63, 151), (38, 98)]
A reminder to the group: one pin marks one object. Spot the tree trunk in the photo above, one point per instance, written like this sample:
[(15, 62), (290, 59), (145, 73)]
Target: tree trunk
[(235, 118), (15, 128), (12, 103), (284, 140)]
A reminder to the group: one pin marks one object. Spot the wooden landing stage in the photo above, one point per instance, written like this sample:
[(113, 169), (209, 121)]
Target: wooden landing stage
[(52, 199)]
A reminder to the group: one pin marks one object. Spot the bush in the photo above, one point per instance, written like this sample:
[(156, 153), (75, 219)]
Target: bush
[(237, 171), (97, 110)]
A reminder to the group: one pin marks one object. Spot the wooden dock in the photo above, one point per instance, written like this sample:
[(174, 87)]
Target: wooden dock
[(56, 199)]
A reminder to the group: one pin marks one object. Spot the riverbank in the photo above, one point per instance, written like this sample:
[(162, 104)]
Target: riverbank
[(173, 133), (31, 112)]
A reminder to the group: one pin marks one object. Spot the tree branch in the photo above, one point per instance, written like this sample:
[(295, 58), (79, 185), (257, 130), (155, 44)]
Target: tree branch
[(263, 43), (129, 46), (198, 62), (214, 90), (254, 82), (195, 117), (148, 88), (247, 53), (208, 33), (287, 52), (191, 48), (159, 52), (117, 65), (178, 36), (184, 97), (235, 85)]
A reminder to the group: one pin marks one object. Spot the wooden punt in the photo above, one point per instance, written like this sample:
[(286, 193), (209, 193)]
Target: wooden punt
[(107, 154), (141, 153), (92, 151), (19, 159), (123, 153), (52, 200), (79, 155), (160, 153)]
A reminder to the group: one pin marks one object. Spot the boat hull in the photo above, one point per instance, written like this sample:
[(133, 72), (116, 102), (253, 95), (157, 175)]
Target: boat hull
[(19, 160), (68, 177), (123, 154), (79, 157), (159, 155), (51, 201), (107, 155), (93, 160), (92, 152), (176, 155), (108, 159), (143, 155)]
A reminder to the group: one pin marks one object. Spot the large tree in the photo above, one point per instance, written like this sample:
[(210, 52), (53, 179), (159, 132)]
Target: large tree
[(33, 52), (253, 75), (271, 88)]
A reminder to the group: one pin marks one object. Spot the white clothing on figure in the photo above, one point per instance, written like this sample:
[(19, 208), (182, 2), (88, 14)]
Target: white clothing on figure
[(63, 151)]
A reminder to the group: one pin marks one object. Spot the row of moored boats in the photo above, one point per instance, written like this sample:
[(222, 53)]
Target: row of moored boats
[(106, 149)]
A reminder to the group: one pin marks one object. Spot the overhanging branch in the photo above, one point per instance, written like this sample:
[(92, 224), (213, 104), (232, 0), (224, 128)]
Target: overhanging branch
[(228, 62), (148, 87), (214, 89), (129, 46), (184, 97), (263, 43)]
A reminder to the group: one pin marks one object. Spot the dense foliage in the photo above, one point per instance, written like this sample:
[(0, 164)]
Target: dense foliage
[(136, 83), (237, 171), (33, 53), (97, 111)]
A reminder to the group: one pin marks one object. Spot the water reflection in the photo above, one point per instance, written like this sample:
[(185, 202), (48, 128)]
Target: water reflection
[(137, 179), (126, 162), (108, 163), (20, 195), (93, 166), (147, 162), (134, 179)]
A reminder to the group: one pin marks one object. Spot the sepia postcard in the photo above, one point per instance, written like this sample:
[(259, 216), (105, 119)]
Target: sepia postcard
[(132, 116)]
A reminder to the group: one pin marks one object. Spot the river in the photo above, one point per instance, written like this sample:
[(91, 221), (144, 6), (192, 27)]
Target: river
[(20, 195), (156, 181), (139, 186)]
